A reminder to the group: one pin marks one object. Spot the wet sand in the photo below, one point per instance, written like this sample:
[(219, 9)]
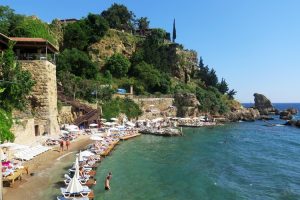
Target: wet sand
[(47, 178)]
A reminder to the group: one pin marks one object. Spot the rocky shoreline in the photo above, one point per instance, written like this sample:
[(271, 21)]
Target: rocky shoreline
[(168, 132)]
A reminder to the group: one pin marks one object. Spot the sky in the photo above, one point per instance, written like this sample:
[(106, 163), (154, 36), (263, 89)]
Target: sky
[(253, 44)]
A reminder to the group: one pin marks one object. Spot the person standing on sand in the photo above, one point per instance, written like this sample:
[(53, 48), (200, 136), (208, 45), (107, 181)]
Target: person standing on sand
[(61, 145), (68, 144), (107, 180)]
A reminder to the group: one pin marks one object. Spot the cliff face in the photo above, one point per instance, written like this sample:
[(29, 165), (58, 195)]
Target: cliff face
[(113, 42), (184, 64), (187, 105)]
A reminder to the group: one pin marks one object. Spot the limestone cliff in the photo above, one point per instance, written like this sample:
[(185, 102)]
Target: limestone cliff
[(113, 42), (185, 65), (187, 105)]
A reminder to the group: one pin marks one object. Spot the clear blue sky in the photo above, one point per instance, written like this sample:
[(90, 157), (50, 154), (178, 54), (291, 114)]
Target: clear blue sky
[(253, 44)]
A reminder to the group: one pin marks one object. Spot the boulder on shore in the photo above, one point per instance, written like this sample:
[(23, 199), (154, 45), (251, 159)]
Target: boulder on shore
[(295, 123), (244, 114), (286, 115), (263, 104), (162, 132)]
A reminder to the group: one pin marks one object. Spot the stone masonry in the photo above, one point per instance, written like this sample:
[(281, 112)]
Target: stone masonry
[(45, 92)]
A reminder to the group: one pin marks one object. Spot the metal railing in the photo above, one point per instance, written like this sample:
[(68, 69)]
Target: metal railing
[(37, 56)]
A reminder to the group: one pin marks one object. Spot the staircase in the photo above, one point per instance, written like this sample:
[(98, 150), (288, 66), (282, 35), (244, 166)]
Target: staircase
[(90, 114)]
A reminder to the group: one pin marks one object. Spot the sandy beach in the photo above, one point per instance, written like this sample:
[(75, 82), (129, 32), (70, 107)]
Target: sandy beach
[(45, 174)]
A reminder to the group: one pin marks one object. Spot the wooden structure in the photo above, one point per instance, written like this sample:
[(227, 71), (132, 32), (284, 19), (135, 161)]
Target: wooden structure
[(30, 48), (11, 178)]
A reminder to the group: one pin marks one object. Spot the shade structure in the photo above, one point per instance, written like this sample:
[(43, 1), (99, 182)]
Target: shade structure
[(96, 138), (74, 185), (93, 125), (64, 132), (76, 165), (130, 124), (87, 153)]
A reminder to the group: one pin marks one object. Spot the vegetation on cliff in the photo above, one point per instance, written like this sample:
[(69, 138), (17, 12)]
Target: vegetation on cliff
[(15, 86)]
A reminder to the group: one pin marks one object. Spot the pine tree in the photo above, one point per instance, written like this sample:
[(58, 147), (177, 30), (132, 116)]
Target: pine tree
[(174, 31)]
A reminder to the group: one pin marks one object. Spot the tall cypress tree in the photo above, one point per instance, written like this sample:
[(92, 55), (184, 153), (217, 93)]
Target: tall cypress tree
[(174, 31)]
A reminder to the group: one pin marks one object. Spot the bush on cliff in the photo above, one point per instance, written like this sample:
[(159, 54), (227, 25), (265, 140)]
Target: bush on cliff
[(78, 63), (116, 106), (118, 65), (211, 101)]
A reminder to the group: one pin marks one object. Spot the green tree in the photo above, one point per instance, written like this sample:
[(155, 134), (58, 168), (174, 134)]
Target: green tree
[(119, 17), (8, 20), (174, 31), (97, 27), (143, 23), (231, 94), (78, 63), (118, 65), (5, 126), (17, 83), (75, 36), (153, 79), (223, 86), (32, 27)]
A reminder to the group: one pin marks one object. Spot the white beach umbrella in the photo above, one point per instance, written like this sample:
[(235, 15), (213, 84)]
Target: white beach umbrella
[(93, 125), (80, 157), (74, 186), (130, 124), (96, 138), (87, 153)]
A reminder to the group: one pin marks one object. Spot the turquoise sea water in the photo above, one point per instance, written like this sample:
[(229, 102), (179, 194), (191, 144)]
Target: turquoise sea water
[(234, 161)]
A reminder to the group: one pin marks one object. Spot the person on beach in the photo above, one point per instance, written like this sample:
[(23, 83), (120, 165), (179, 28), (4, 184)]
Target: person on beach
[(68, 144), (107, 180), (64, 144), (61, 145)]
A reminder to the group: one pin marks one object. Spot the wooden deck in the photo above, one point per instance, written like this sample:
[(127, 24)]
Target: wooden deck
[(110, 148), (130, 136)]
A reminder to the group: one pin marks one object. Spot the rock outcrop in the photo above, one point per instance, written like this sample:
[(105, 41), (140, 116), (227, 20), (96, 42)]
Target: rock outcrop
[(187, 105), (162, 132), (113, 42), (263, 104), (244, 114), (295, 123), (185, 63), (288, 113)]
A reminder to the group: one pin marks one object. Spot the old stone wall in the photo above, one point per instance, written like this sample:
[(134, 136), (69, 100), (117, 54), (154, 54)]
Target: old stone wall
[(45, 94), (23, 130)]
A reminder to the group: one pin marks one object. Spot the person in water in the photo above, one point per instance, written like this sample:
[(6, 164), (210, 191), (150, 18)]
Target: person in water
[(107, 180)]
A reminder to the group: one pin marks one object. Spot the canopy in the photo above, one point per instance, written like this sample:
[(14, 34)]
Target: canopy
[(93, 125), (74, 185), (113, 119), (87, 153), (80, 157), (130, 124), (96, 138), (64, 132)]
